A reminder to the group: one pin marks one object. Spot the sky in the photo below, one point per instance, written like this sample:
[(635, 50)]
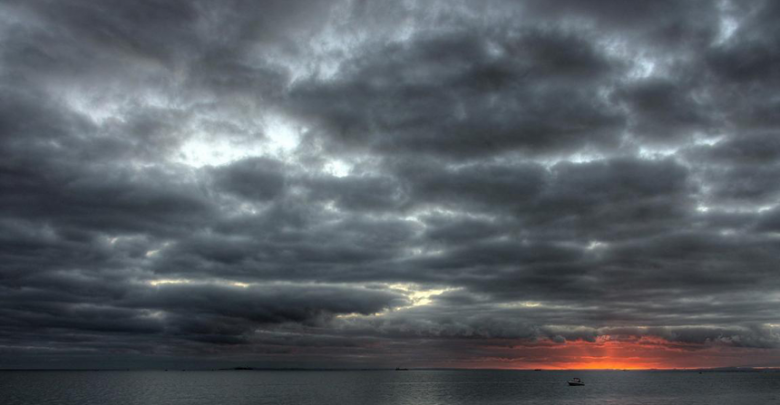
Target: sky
[(353, 184)]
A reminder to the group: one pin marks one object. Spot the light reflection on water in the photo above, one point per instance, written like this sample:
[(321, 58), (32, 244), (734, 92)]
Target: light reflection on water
[(386, 387)]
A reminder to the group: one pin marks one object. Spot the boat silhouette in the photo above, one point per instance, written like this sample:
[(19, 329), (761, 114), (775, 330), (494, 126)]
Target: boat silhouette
[(576, 382)]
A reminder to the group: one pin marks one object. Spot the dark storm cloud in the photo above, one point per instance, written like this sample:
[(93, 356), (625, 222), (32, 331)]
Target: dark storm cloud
[(488, 186), (206, 312), (377, 183), (741, 170), (667, 109), (254, 179), (468, 92)]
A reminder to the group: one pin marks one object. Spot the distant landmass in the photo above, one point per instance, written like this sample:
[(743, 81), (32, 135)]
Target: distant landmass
[(738, 369)]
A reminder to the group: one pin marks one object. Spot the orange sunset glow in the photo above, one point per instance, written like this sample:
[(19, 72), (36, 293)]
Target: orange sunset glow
[(621, 353)]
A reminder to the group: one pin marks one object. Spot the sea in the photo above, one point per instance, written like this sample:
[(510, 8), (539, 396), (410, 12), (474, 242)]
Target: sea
[(413, 387)]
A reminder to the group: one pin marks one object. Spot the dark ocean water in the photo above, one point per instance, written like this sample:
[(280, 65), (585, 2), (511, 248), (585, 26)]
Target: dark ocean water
[(385, 387)]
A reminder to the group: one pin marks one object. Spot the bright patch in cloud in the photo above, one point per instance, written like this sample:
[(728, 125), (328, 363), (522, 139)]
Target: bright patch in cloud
[(418, 295)]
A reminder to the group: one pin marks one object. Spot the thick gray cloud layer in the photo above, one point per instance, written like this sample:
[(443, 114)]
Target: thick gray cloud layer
[(361, 182)]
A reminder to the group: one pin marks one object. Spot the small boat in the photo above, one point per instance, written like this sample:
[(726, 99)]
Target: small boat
[(576, 382)]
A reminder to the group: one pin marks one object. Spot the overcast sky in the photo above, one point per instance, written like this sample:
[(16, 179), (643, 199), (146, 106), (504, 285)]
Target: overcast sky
[(389, 183)]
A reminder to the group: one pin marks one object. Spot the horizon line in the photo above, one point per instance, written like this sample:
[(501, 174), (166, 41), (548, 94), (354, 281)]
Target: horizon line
[(249, 368)]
